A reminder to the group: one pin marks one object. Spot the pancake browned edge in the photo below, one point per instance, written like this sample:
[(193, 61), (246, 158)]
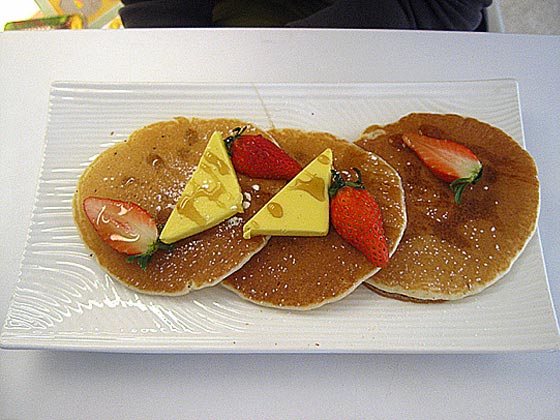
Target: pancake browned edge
[(308, 272), (151, 169), (451, 251)]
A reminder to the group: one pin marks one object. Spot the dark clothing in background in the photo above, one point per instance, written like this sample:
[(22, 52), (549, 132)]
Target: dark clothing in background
[(462, 15)]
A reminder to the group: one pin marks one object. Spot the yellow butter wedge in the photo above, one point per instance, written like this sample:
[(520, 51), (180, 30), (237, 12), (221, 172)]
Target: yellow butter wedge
[(211, 196), (301, 208)]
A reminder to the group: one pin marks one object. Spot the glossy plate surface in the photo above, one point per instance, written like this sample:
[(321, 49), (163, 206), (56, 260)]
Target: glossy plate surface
[(63, 300)]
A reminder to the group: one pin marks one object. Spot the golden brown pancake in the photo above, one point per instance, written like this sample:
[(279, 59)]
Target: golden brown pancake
[(151, 169), (450, 251), (307, 272)]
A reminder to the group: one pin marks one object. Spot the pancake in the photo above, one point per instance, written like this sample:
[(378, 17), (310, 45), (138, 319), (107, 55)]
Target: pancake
[(151, 169), (308, 272), (451, 251)]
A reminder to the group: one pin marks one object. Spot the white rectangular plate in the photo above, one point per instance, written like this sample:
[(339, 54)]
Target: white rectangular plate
[(63, 300)]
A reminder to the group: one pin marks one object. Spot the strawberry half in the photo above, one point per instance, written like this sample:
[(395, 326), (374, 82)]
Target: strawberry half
[(126, 227), (258, 157), (356, 217), (449, 161)]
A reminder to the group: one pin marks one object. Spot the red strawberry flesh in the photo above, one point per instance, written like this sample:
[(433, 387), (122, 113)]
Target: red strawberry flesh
[(258, 157), (125, 226), (449, 161), (357, 218)]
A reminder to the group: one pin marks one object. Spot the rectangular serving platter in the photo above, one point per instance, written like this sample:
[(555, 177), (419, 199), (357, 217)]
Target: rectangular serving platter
[(64, 300)]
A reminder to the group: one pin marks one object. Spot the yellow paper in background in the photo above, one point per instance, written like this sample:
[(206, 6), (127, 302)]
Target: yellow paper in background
[(97, 12)]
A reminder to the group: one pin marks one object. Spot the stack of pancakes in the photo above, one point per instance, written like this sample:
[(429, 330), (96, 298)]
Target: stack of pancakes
[(447, 251)]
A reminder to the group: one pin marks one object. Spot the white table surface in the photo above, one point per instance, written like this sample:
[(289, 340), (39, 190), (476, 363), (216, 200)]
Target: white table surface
[(81, 385)]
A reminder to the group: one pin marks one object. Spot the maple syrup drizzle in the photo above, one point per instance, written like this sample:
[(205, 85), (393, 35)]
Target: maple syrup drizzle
[(211, 188), (314, 186), (275, 209), (218, 163)]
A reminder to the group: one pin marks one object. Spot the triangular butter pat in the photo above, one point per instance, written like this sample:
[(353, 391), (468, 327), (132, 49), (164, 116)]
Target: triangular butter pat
[(301, 208), (211, 196)]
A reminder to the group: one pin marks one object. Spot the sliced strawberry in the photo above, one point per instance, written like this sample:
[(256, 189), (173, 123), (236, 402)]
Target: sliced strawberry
[(258, 157), (125, 226), (449, 161)]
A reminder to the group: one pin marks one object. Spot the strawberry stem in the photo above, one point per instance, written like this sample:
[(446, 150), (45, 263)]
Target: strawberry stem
[(339, 182), (237, 132), (459, 185), (144, 259)]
